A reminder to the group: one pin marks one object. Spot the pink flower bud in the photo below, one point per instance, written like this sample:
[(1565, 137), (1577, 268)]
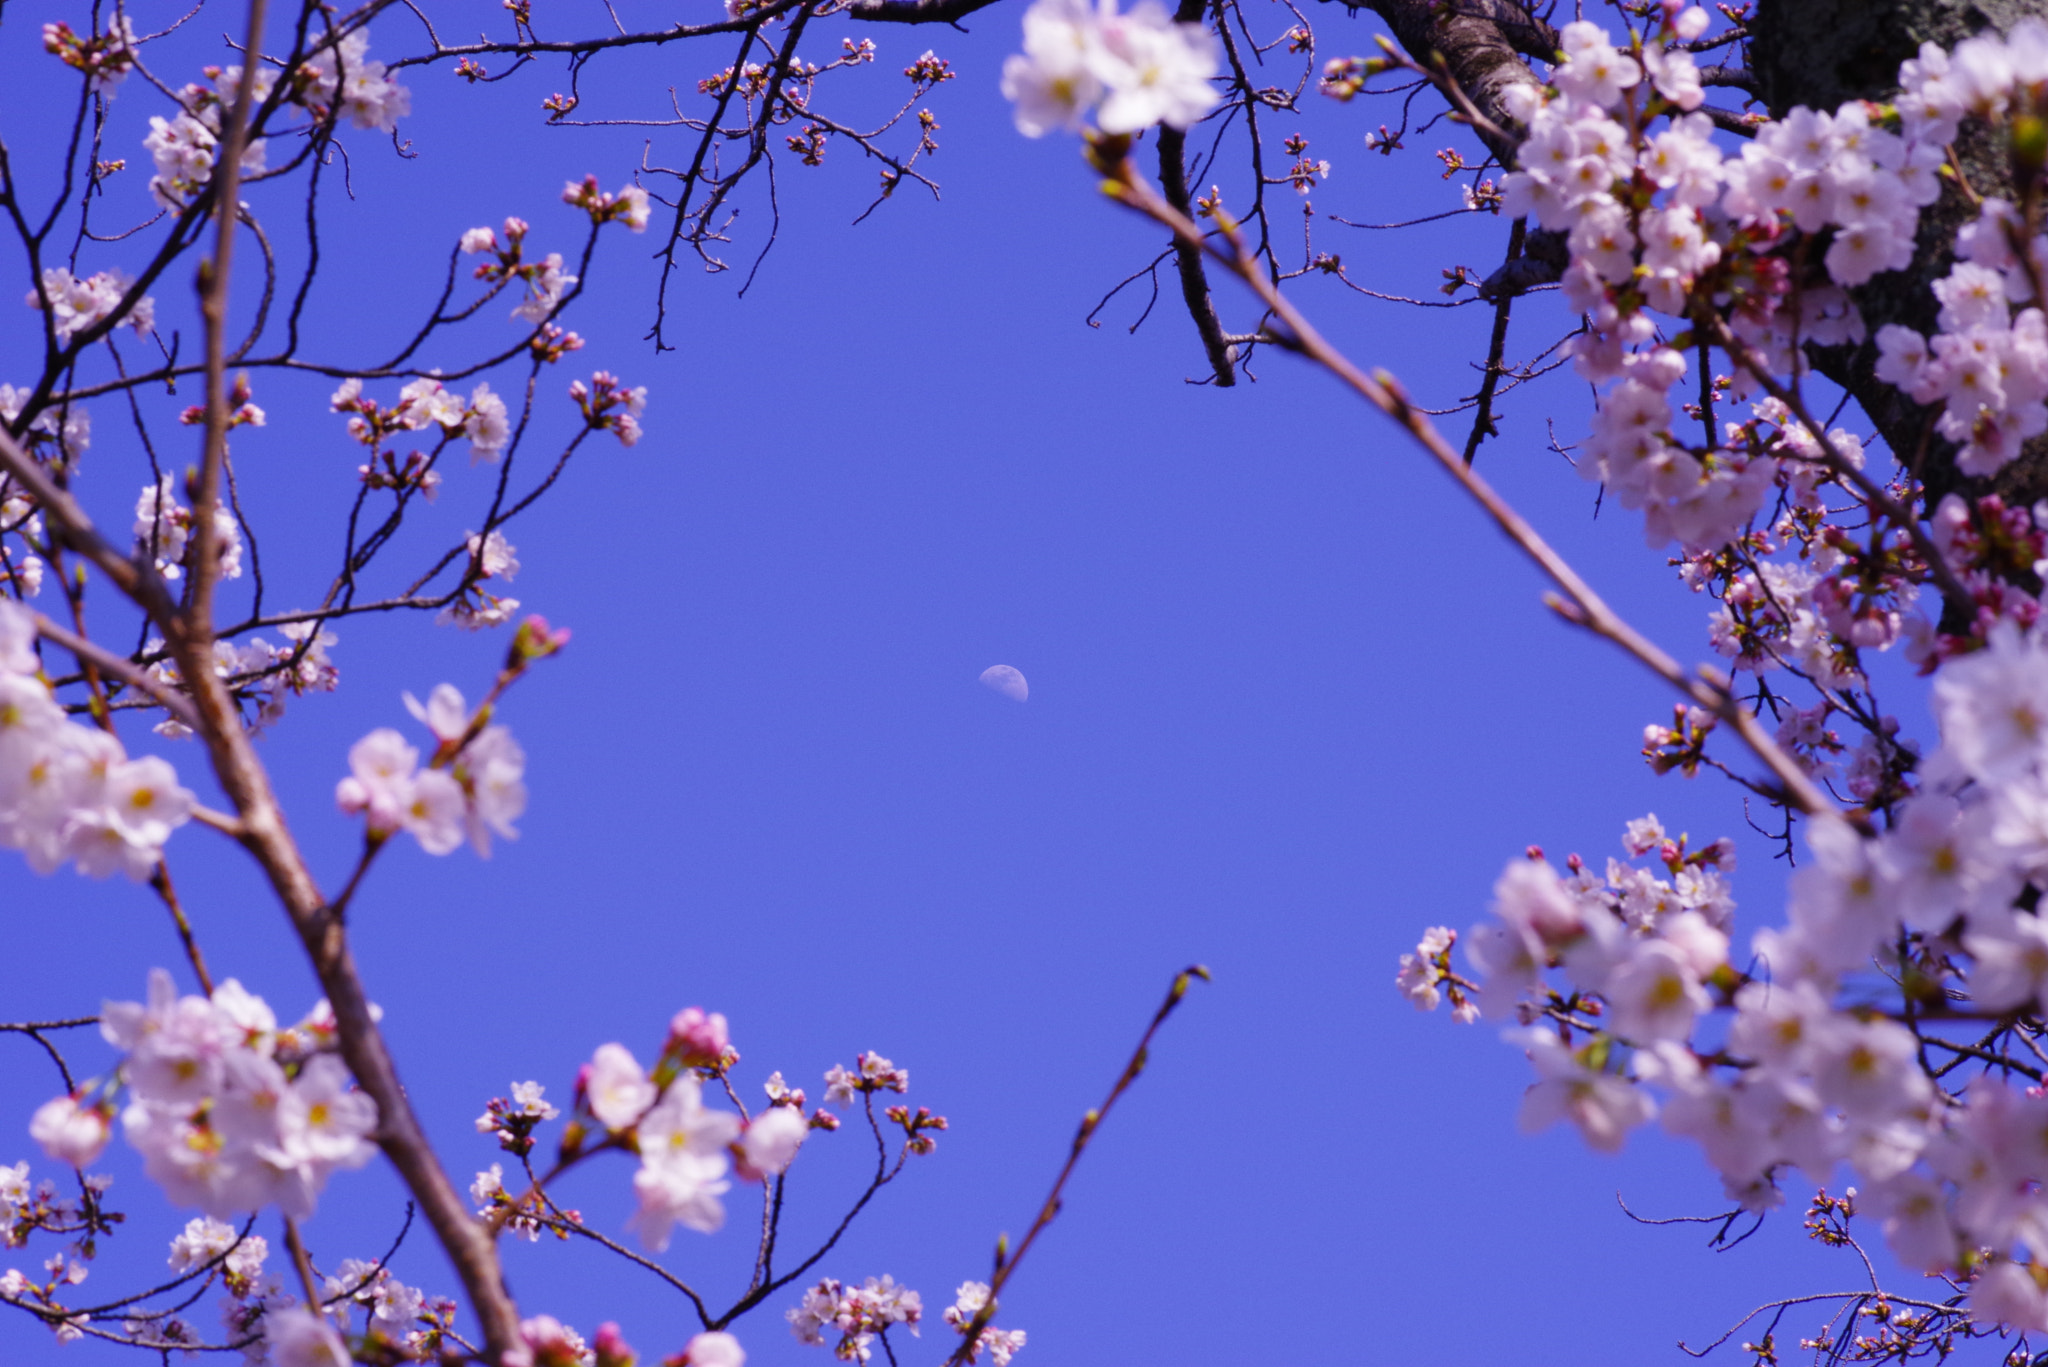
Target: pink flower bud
[(701, 1039), (611, 1349)]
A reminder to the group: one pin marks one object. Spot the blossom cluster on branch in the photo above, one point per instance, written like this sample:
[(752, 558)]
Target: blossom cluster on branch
[(69, 793), (1892, 1025)]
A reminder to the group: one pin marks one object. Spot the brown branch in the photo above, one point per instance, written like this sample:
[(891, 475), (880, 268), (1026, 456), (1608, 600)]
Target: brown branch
[(89, 652), (582, 47), (70, 525), (1736, 77), (264, 833), (160, 880), (1579, 604), (203, 571)]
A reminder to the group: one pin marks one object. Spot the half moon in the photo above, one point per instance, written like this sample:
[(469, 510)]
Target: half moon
[(1007, 681)]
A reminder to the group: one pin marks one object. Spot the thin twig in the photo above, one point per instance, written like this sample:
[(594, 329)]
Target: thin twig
[(1007, 1263)]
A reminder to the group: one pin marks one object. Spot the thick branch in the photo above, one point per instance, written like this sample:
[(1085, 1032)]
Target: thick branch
[(1194, 283), (915, 11), (1482, 43), (190, 635)]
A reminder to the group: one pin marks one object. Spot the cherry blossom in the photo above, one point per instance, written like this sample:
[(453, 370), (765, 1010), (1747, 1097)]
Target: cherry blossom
[(78, 304), (855, 1314), (616, 1086), (471, 789), (682, 1164), (69, 792), (224, 1120), (714, 1349), (1000, 1344), (1132, 70)]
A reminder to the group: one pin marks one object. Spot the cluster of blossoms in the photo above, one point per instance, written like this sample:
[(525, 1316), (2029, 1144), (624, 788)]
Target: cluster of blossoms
[(1658, 221), (1426, 975), (629, 206), (1629, 1005), (398, 1319), (491, 556), (66, 427), (1000, 1344), (1988, 363), (686, 1149), (851, 1318), (337, 80), (77, 304), (208, 1243), (19, 1288), (18, 1204), (512, 1120), (610, 406), (228, 1113), (494, 1202), (1131, 70), (163, 532), (185, 147), (545, 281), (426, 403), (106, 58), (870, 1073), (206, 1249), (26, 1207), (21, 571), (856, 1314), (471, 787), (255, 1310), (69, 791), (341, 76), (1793, 1063), (257, 672)]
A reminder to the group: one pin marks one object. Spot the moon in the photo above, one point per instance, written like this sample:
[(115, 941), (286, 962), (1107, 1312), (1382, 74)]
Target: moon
[(1005, 680)]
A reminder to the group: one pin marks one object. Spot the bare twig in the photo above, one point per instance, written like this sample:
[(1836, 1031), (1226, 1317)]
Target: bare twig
[(1007, 1263)]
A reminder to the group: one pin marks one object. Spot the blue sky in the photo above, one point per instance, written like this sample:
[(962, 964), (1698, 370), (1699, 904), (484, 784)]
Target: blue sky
[(1291, 701)]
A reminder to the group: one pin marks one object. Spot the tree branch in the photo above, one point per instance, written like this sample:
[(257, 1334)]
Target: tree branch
[(70, 525), (1578, 604), (915, 11), (176, 703), (1194, 283), (1482, 43)]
